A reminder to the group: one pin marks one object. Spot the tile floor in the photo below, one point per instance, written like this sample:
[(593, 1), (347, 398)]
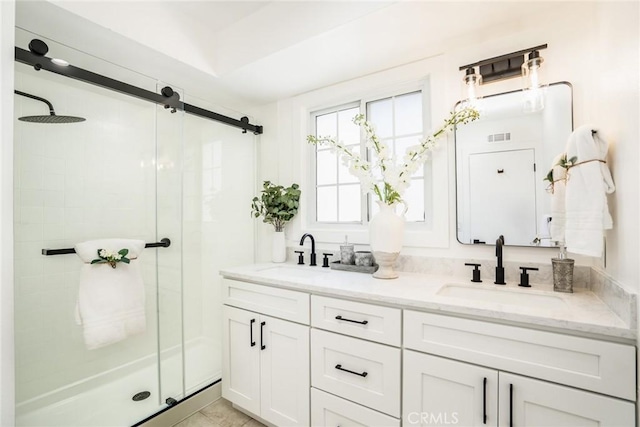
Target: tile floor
[(219, 414)]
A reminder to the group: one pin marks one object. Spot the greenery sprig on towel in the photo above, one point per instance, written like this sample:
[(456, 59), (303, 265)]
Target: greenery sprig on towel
[(111, 258)]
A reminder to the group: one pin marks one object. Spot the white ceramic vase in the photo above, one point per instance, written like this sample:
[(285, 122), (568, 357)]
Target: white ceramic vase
[(386, 230), (278, 247)]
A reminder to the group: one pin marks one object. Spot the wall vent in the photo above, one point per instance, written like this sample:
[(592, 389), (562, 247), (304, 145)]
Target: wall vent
[(499, 137)]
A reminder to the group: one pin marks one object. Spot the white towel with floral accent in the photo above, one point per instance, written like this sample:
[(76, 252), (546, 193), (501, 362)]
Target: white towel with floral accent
[(111, 301), (588, 183)]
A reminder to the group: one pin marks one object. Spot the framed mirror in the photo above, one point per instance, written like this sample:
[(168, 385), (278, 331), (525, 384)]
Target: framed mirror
[(501, 162)]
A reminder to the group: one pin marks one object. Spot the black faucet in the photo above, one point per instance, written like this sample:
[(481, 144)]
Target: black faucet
[(313, 247), (499, 267)]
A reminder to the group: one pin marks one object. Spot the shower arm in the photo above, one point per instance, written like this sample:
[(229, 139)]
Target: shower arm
[(37, 98)]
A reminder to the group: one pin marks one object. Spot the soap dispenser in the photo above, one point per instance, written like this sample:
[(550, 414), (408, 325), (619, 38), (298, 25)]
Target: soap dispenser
[(347, 253), (562, 271)]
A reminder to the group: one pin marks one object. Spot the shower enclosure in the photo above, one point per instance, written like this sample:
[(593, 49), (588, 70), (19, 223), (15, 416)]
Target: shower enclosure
[(131, 170)]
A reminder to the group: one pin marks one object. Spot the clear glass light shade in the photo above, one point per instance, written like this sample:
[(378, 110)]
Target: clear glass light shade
[(471, 83), (532, 82)]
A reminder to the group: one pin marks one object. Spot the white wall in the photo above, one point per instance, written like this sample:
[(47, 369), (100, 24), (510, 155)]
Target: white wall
[(571, 33), (615, 107), (7, 399)]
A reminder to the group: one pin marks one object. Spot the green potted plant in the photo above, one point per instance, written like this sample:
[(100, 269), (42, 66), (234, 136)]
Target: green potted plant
[(277, 205)]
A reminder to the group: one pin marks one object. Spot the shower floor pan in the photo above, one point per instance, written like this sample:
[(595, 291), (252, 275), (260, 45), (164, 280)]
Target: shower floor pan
[(94, 402)]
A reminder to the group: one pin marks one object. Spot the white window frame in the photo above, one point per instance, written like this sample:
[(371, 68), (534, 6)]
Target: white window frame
[(358, 231), (313, 175), (422, 87), (295, 152)]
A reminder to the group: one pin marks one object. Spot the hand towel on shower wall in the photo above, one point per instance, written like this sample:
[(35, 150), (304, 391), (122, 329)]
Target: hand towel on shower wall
[(111, 301), (589, 181)]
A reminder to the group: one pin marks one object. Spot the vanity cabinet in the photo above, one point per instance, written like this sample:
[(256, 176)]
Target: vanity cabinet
[(296, 359), (440, 388), (265, 366)]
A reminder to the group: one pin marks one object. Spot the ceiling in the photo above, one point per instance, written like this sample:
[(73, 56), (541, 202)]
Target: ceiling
[(255, 52)]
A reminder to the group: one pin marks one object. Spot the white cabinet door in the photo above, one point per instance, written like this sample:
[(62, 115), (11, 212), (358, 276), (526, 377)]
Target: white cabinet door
[(241, 358), (284, 372), (525, 402), (438, 391)]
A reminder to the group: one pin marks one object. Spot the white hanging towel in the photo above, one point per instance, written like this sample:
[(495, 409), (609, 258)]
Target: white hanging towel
[(111, 301), (588, 183), (558, 208)]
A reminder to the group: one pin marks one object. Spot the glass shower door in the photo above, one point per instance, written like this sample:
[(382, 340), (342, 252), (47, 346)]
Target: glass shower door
[(77, 182), (169, 154)]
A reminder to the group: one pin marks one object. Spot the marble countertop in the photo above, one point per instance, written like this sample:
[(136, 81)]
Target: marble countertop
[(581, 312)]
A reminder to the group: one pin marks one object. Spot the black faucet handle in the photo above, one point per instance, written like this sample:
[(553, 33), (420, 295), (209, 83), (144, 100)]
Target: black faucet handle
[(524, 276), (476, 272), (300, 257), (325, 259)]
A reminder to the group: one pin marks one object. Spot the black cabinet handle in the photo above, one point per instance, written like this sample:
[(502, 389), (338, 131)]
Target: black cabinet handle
[(363, 322), (364, 374), (262, 346), (510, 405), (253, 343), (484, 401)]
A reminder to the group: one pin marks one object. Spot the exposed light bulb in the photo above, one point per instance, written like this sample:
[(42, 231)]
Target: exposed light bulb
[(60, 62), (471, 81), (532, 83)]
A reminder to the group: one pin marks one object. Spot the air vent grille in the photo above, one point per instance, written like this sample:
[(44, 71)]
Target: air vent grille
[(499, 137)]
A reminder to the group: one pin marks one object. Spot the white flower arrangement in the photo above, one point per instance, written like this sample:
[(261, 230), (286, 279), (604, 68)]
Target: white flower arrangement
[(111, 258), (386, 178)]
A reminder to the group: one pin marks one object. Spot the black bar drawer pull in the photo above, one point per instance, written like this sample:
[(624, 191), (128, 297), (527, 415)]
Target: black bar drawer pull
[(510, 405), (484, 400), (364, 374), (363, 322), (252, 342), (262, 346)]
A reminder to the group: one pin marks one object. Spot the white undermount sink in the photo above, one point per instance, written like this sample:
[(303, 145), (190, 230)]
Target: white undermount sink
[(521, 298)]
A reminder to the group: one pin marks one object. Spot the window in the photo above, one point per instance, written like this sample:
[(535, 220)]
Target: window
[(399, 124), (338, 194)]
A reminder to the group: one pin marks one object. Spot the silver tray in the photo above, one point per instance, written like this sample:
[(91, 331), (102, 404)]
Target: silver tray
[(336, 265)]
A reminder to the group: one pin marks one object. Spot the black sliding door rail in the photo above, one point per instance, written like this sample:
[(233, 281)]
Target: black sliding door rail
[(43, 62)]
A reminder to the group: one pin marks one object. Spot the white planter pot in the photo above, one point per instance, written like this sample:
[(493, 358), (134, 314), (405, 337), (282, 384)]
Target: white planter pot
[(386, 231), (278, 247)]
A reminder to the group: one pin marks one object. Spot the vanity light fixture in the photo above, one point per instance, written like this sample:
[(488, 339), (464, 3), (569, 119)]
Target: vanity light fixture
[(507, 66)]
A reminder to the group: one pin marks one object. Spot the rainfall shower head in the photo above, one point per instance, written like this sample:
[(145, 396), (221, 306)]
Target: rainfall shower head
[(52, 117)]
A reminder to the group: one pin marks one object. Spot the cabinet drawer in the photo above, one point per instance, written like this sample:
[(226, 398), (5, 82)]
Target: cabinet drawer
[(361, 371), (328, 410), (276, 302), (372, 322), (590, 364)]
